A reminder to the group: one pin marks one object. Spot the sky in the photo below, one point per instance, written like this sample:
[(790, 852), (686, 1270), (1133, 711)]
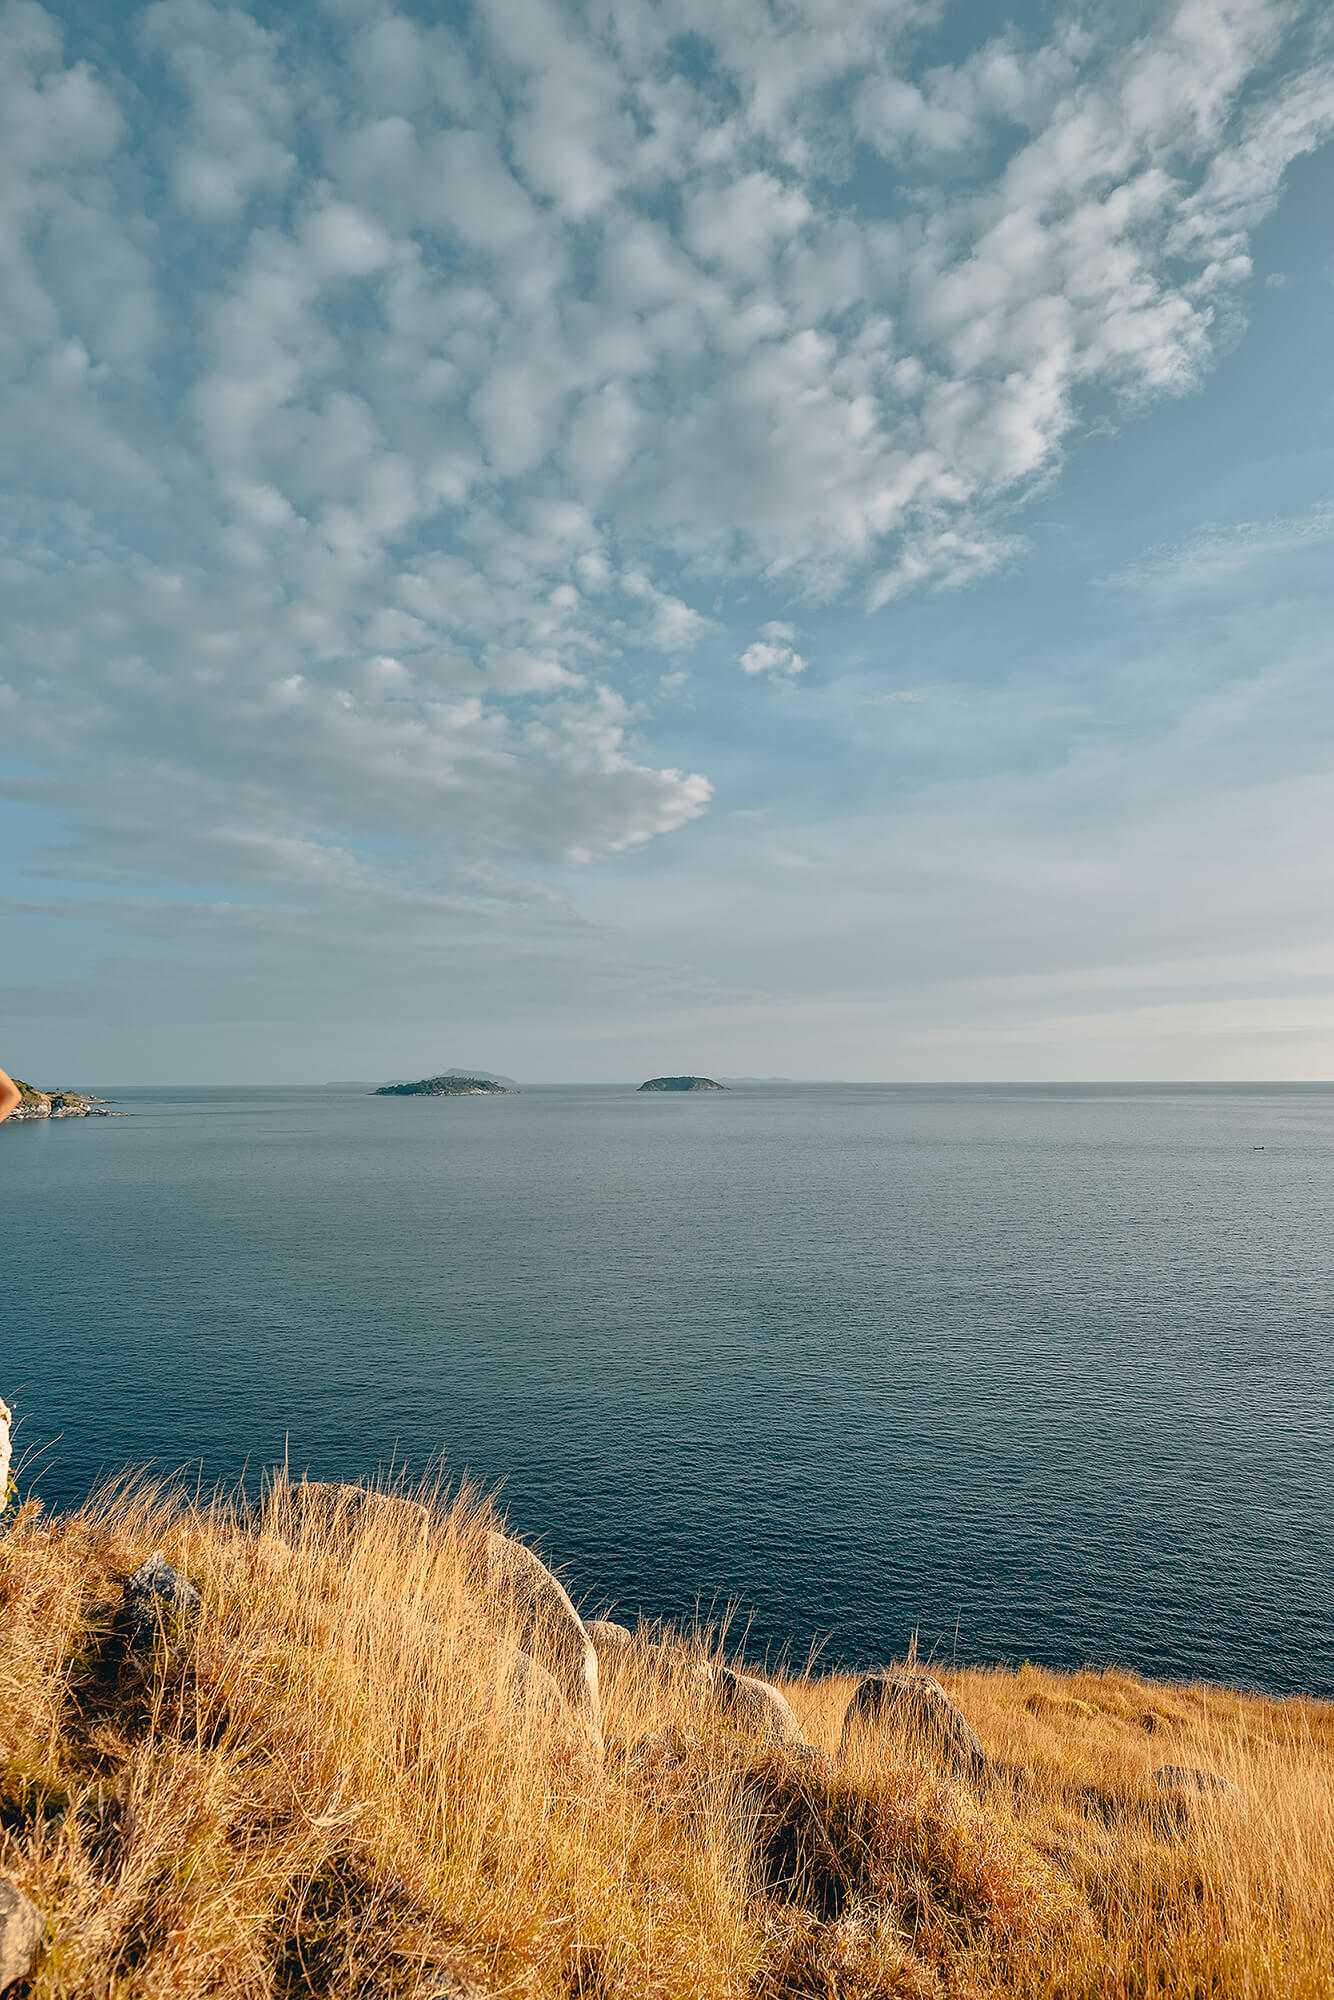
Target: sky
[(777, 537)]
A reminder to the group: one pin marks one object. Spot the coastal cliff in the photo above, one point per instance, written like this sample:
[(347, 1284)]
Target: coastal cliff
[(35, 1103), (335, 1740)]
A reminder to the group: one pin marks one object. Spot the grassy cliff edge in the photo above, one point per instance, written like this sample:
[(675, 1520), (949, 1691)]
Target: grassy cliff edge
[(332, 1783)]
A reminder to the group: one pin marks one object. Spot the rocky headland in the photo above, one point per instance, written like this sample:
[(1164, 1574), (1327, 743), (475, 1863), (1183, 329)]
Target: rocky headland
[(34, 1103)]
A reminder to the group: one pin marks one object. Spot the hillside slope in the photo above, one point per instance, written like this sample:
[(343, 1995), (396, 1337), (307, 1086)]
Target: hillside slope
[(339, 1780)]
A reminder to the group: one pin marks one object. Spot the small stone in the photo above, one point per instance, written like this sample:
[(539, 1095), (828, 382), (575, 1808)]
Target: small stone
[(22, 1928), (158, 1600), (756, 1705), (918, 1706)]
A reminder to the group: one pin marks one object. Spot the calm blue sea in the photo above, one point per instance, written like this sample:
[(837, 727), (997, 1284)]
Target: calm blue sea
[(1034, 1372)]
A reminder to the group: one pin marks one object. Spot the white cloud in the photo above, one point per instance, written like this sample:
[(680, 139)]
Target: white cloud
[(373, 399), (774, 654), (744, 225), (237, 111)]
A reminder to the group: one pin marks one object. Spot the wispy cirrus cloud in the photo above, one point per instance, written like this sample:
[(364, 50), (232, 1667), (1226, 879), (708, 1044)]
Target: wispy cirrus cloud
[(1228, 556)]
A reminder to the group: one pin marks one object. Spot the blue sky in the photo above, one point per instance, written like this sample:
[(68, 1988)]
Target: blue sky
[(749, 538)]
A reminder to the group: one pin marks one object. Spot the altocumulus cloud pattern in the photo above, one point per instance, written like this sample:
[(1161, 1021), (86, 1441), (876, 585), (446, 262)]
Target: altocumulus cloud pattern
[(379, 393)]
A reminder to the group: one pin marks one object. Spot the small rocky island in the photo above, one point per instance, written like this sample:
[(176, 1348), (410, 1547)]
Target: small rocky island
[(447, 1086), (34, 1103), (682, 1083)]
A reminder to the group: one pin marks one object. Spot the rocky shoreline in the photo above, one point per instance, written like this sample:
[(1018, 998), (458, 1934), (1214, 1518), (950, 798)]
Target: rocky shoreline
[(34, 1103)]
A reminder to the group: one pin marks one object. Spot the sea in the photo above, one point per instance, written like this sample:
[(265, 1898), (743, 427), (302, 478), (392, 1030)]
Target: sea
[(1034, 1372)]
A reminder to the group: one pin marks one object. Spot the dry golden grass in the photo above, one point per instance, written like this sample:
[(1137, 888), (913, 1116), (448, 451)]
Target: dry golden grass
[(325, 1787)]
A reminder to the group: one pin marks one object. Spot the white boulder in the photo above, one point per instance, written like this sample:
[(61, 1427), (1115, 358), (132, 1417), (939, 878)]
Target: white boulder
[(536, 1611)]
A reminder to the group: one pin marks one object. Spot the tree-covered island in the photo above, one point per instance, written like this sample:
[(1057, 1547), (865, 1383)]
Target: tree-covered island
[(682, 1083), (446, 1086)]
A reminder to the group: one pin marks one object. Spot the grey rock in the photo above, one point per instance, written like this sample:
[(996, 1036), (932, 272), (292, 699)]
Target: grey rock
[(158, 1601), (22, 1929), (918, 1706), (1183, 1778), (544, 1623), (755, 1705)]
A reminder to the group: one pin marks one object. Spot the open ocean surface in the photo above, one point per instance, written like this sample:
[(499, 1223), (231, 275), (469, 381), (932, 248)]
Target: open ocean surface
[(1041, 1371)]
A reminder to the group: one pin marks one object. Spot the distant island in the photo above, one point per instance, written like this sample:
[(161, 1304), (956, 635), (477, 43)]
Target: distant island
[(34, 1103), (450, 1085), (681, 1083)]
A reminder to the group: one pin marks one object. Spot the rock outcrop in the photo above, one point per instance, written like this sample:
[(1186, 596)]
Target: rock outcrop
[(540, 1618), (158, 1601), (35, 1103), (918, 1707), (755, 1706), (22, 1928)]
